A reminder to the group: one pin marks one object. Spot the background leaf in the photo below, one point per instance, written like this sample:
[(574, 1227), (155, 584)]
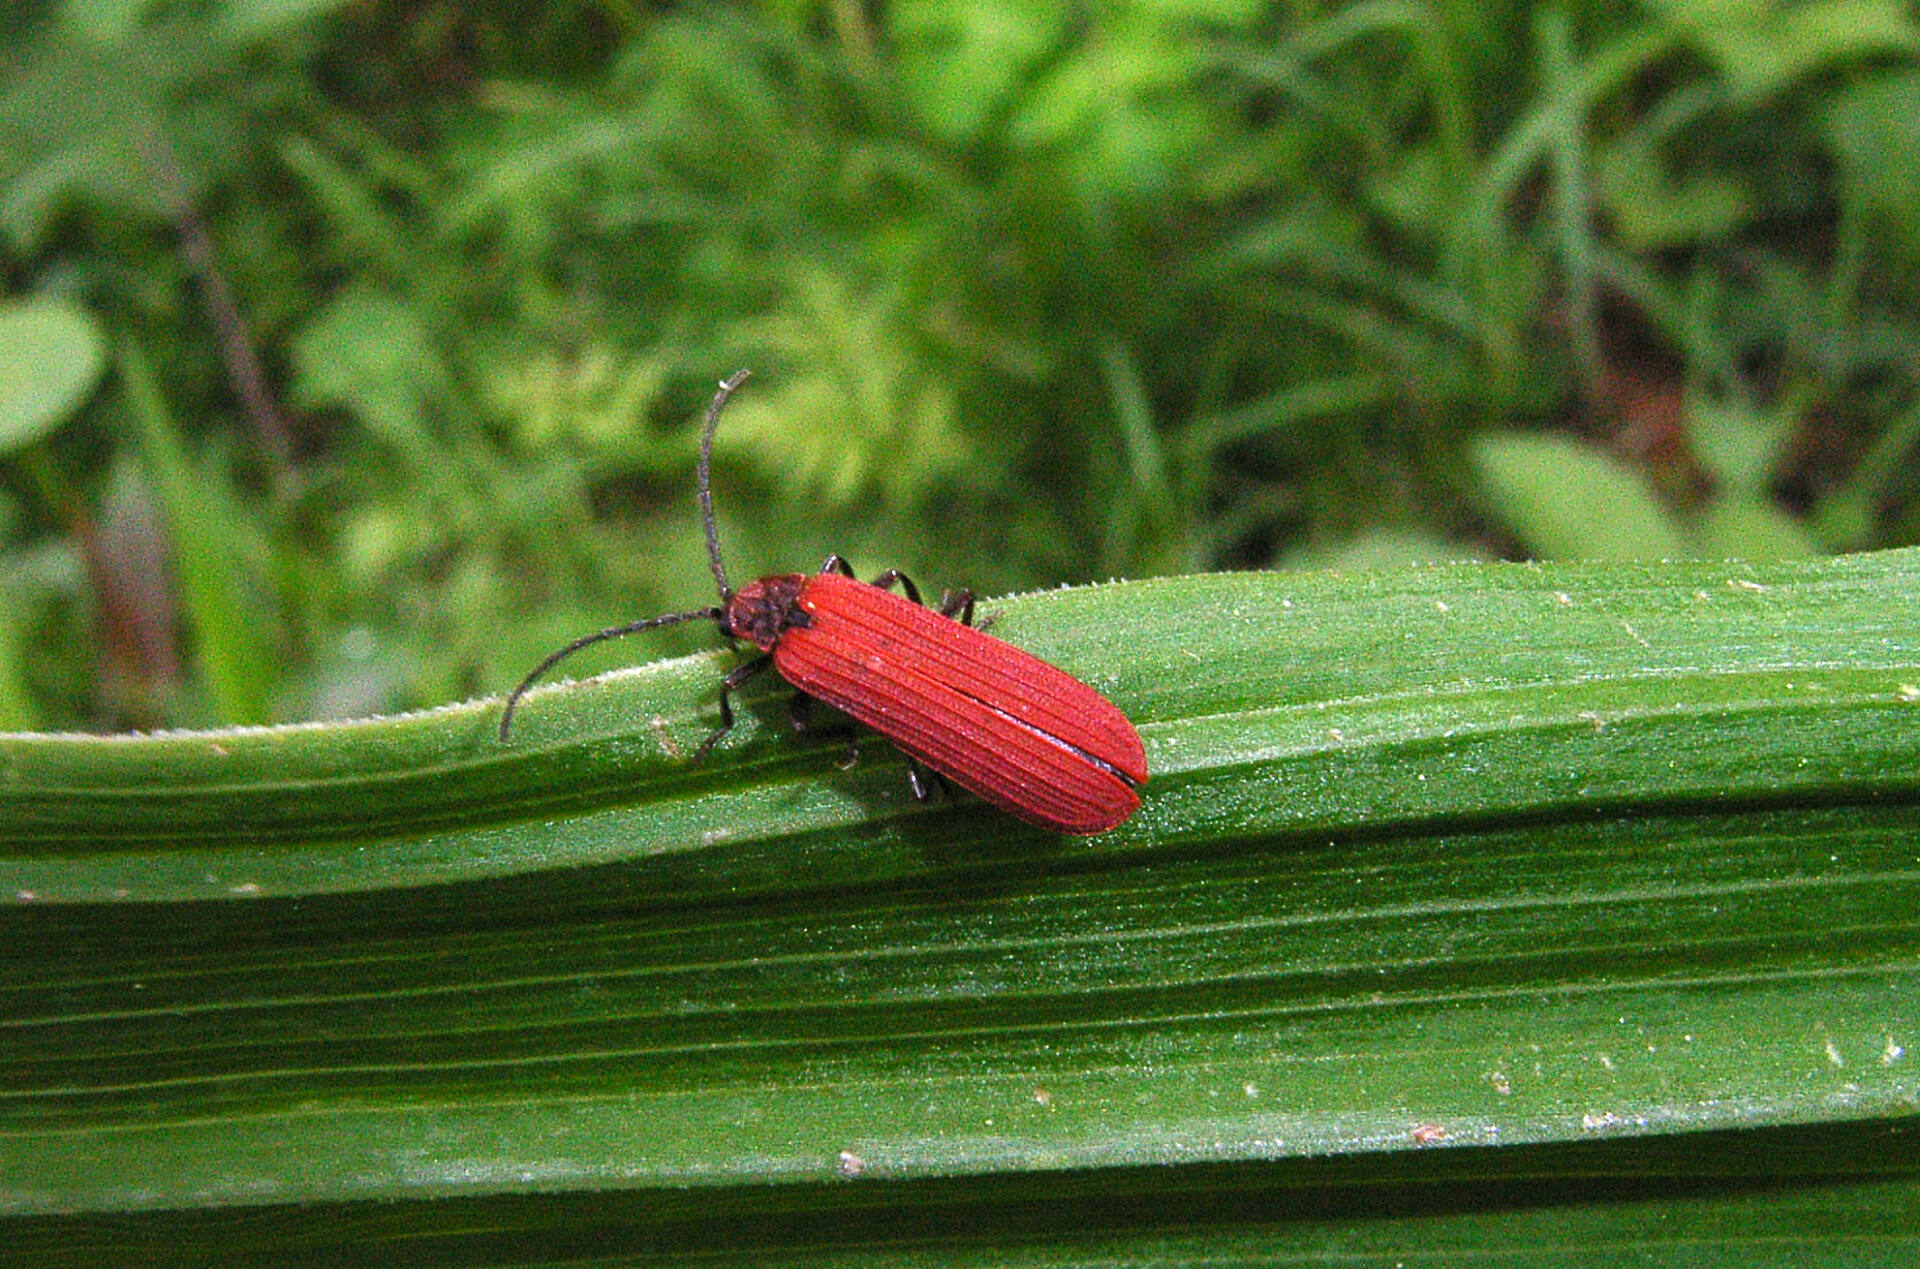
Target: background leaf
[(1748, 528), (206, 535), (50, 359), (1568, 501)]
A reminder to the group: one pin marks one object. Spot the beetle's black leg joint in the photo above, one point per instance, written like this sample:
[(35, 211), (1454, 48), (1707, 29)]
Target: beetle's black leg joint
[(958, 604), (799, 713), (837, 563), (728, 685), (894, 577)]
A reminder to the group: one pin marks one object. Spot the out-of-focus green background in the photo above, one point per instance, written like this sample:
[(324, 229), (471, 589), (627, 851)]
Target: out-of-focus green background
[(351, 355)]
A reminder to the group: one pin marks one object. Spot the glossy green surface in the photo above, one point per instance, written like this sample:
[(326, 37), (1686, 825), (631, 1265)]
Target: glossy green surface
[(1452, 857)]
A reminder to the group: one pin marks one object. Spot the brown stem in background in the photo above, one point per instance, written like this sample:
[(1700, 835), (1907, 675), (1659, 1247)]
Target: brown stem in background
[(854, 31), (244, 371)]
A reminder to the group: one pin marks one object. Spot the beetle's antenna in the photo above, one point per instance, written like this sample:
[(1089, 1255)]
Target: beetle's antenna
[(705, 484), (705, 489), (586, 641)]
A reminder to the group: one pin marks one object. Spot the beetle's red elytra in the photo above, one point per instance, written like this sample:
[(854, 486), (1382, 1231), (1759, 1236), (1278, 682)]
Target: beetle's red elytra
[(1025, 735)]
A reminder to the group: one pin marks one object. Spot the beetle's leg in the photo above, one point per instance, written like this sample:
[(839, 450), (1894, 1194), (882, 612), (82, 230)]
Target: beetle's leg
[(894, 577), (924, 780), (961, 602), (728, 685), (799, 706), (954, 603), (951, 602), (958, 604), (798, 710)]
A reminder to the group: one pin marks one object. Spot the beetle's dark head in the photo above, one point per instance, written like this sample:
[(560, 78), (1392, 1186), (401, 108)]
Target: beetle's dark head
[(760, 612)]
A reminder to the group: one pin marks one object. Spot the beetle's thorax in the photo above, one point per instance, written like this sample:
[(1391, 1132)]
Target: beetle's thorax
[(760, 612)]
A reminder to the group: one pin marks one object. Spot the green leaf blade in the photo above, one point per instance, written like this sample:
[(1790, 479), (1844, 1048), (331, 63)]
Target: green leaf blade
[(236, 660), (1470, 856)]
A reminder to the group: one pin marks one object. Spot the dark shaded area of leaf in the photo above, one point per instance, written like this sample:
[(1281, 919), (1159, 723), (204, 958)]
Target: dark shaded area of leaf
[(1839, 1194)]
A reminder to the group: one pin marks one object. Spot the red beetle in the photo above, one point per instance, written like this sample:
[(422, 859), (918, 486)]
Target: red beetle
[(1026, 736)]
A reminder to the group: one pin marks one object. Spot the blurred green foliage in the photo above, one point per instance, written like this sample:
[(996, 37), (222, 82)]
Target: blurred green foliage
[(409, 310)]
